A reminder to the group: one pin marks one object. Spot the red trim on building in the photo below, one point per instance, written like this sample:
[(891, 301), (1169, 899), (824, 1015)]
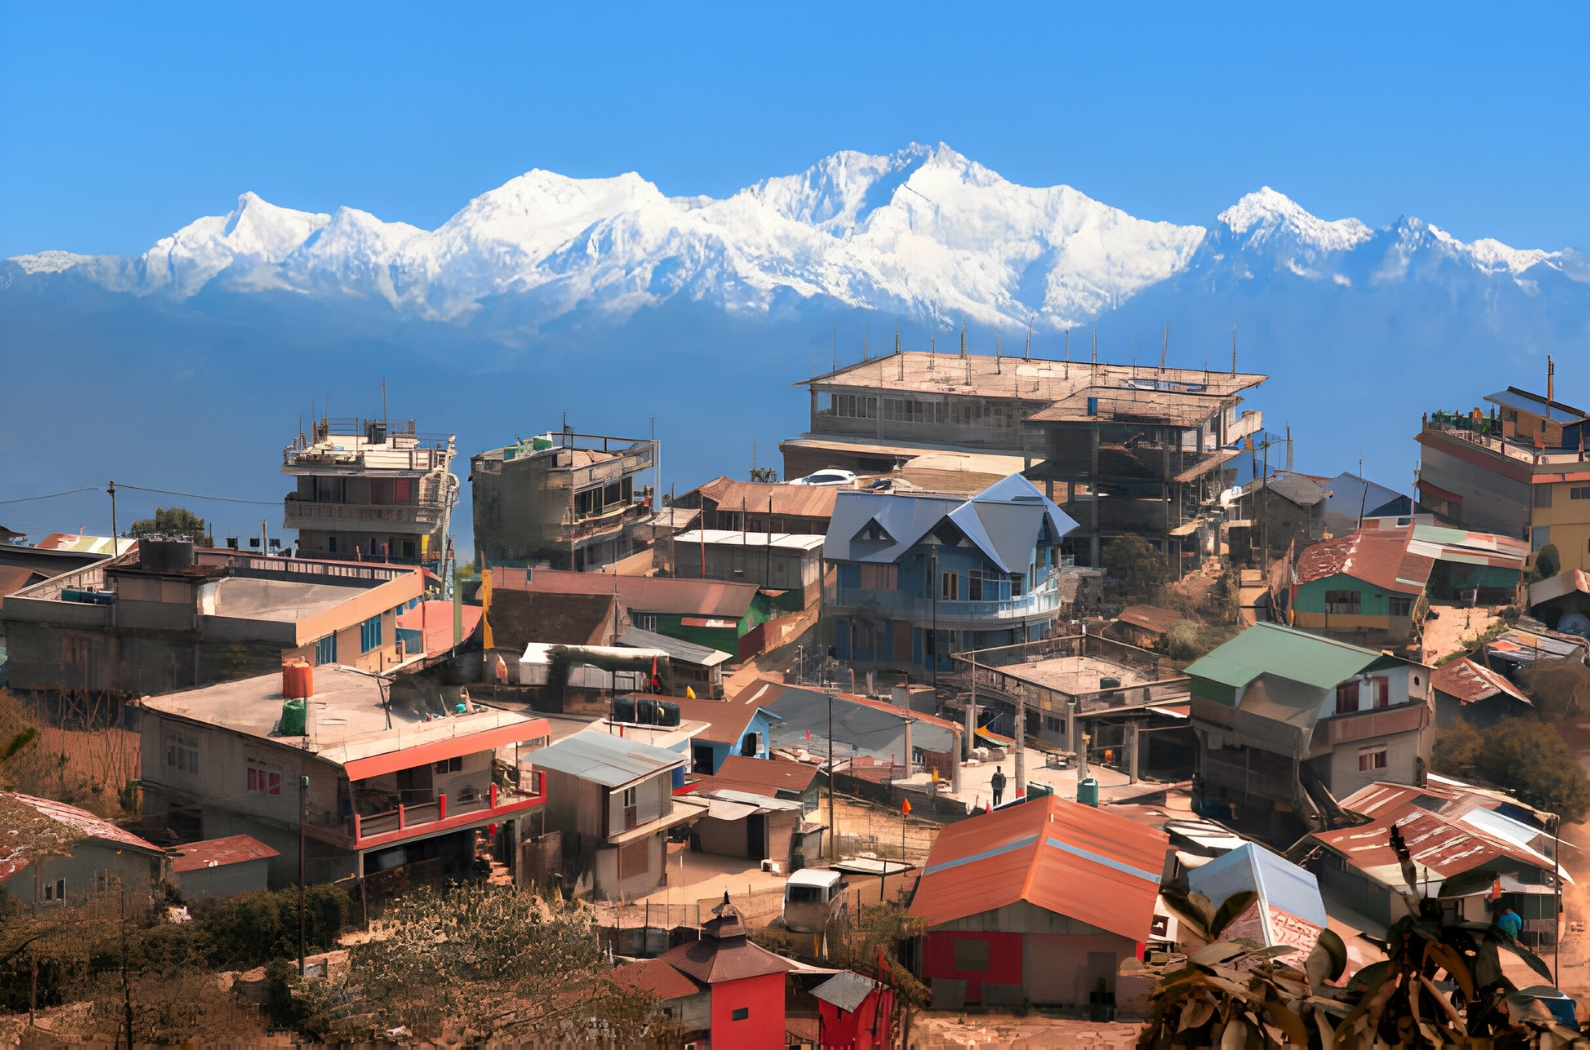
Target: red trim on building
[(1004, 960), (452, 747)]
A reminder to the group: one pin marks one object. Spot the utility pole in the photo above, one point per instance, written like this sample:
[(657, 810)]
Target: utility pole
[(114, 546), (933, 586), (303, 791), (1021, 739), (833, 844)]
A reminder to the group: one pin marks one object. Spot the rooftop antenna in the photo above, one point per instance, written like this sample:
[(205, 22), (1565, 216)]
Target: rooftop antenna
[(963, 337), (1068, 353), (1289, 448), (932, 352), (897, 337), (1166, 349), (997, 367), (1026, 353), (864, 355), (1551, 374), (898, 356), (1233, 352), (383, 403)]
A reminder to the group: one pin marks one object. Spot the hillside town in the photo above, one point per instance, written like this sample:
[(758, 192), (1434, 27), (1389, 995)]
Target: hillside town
[(1025, 702)]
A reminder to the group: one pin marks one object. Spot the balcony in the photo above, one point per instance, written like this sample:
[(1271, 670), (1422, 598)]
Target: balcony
[(1044, 600), (416, 517), (426, 818)]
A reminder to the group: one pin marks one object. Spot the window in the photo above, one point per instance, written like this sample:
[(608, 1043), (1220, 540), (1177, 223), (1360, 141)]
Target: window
[(331, 490), (1371, 758), (74, 650), (646, 621), (971, 954), (182, 753), (950, 586), (55, 891), (1347, 697), (1543, 495), (805, 894), (855, 406), (1380, 691), (1016, 582), (879, 577), (262, 779), (370, 634), (974, 585), (106, 881), (631, 809), (634, 858), (740, 1013), (326, 650), (1401, 606), (1346, 603), (751, 745), (1579, 492), (403, 490), (1539, 536), (449, 765)]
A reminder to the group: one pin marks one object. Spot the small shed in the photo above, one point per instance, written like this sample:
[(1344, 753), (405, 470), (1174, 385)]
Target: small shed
[(222, 867), (741, 824), (1471, 691), (1144, 625), (854, 1013), (1289, 910), (695, 667)]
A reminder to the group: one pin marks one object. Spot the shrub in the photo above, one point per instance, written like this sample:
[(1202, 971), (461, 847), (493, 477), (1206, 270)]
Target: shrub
[(1524, 757)]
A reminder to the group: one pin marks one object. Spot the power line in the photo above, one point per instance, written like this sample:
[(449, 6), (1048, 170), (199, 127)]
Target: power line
[(195, 495), (140, 488), (52, 495)]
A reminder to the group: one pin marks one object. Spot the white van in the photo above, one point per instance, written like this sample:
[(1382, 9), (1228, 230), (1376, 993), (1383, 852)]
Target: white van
[(812, 898)]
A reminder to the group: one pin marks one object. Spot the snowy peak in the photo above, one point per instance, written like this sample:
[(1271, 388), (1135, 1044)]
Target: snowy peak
[(924, 232), (1267, 216)]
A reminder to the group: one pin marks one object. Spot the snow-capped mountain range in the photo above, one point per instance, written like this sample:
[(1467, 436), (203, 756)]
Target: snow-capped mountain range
[(923, 233)]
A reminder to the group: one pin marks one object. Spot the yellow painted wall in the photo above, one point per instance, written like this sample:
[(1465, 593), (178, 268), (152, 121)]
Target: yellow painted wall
[(1569, 522)]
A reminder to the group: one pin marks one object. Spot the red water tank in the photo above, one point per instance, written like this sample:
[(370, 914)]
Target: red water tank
[(298, 679)]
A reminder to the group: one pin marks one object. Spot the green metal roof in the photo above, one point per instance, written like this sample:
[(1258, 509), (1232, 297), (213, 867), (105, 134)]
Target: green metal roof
[(1285, 653)]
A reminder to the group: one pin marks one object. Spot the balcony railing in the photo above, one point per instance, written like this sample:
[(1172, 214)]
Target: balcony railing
[(1511, 448), (1045, 599), (308, 513), (361, 832)]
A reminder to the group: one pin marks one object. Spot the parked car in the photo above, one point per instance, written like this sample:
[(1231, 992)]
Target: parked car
[(1563, 1008), (827, 476)]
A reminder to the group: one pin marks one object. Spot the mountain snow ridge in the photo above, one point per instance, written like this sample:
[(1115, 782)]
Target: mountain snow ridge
[(924, 232)]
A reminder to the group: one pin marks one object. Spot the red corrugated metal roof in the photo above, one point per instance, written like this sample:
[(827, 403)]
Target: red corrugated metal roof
[(448, 747), (775, 773), (652, 594), (656, 977), (1150, 617), (802, 501), (1067, 858), (1376, 556), (14, 857), (1470, 682), (217, 853)]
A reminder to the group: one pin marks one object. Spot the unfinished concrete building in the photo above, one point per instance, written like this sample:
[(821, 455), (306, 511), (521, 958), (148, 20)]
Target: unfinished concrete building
[(371, 490), (574, 501), (1124, 449)]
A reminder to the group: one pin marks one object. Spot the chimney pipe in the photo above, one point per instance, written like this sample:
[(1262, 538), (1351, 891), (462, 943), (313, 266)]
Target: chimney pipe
[(1551, 374)]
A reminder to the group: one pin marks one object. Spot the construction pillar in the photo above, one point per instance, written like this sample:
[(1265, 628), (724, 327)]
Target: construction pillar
[(1131, 751), (1071, 725), (1021, 743), (1093, 498), (971, 713)]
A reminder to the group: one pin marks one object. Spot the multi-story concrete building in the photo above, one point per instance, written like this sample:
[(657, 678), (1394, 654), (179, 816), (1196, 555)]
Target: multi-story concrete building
[(1125, 449), (920, 577), (1519, 471), (166, 616), (371, 490), (574, 501), (381, 775), (1280, 714)]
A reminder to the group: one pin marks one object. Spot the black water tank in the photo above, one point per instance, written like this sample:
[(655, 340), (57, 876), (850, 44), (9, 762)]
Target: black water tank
[(165, 555)]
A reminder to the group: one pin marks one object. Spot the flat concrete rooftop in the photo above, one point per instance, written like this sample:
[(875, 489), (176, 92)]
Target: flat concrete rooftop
[(245, 598), (346, 718)]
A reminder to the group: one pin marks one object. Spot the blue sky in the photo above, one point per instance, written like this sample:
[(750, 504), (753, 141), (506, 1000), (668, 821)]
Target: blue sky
[(120, 123)]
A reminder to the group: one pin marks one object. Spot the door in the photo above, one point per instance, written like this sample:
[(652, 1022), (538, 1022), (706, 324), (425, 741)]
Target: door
[(1100, 967), (756, 836)]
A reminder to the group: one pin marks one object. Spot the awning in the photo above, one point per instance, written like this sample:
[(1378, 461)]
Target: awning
[(718, 809), (449, 747), (1187, 529), (683, 811)]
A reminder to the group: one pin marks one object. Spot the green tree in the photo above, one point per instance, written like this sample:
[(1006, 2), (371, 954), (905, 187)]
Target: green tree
[(176, 523), (1136, 568), (1524, 757), (1548, 562), (1559, 688)]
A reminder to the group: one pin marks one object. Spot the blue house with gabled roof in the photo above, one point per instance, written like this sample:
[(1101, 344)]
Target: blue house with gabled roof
[(920, 577)]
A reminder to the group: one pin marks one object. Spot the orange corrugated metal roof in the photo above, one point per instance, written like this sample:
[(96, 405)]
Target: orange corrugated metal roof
[(1074, 860), (1469, 681), (802, 501), (1149, 617), (14, 856)]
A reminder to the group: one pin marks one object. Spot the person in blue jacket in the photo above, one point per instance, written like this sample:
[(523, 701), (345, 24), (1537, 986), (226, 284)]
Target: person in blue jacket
[(1510, 923)]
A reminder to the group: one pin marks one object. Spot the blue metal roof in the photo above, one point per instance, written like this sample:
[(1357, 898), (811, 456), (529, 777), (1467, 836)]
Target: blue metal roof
[(1279, 883), (1004, 521), (1535, 405)]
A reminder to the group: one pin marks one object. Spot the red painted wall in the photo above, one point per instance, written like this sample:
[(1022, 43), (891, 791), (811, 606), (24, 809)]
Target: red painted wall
[(764, 997), (855, 1031), (1004, 960)]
